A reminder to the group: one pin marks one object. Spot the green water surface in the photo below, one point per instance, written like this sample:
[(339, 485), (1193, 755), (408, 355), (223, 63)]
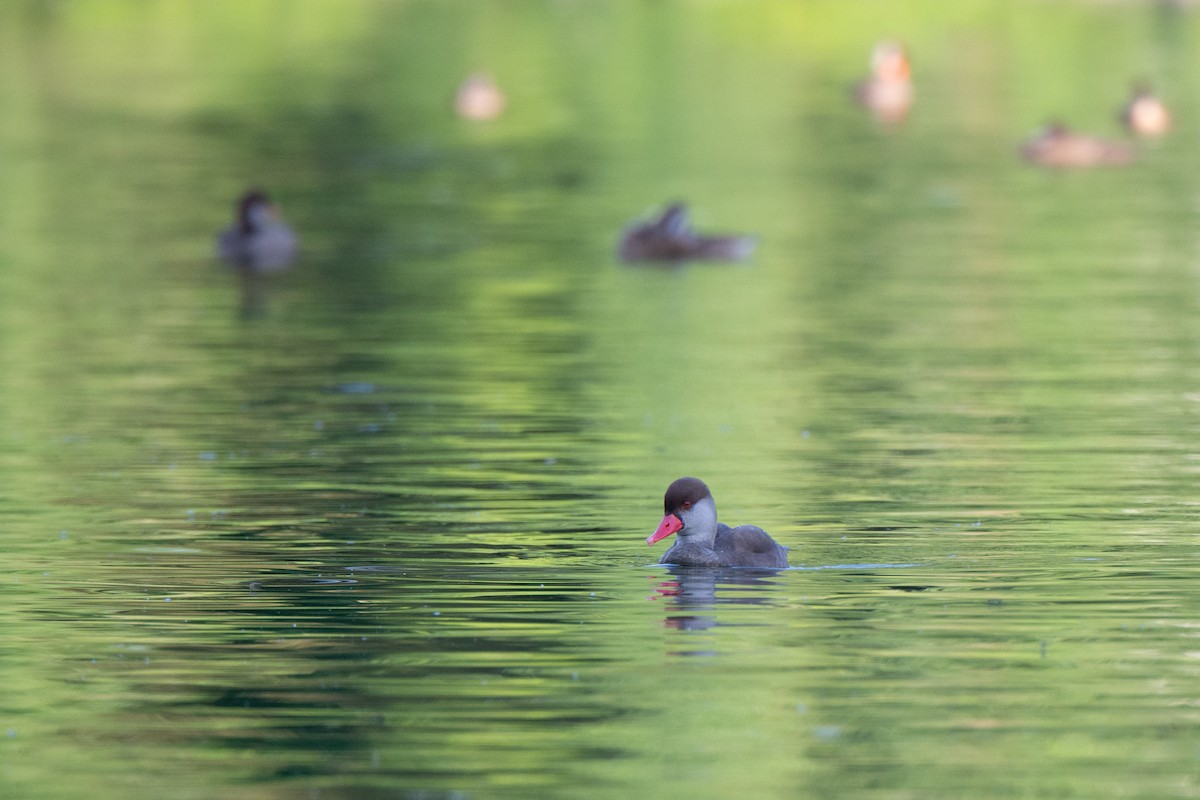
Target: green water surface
[(374, 528)]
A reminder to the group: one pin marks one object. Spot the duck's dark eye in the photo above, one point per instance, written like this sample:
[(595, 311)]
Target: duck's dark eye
[(687, 504)]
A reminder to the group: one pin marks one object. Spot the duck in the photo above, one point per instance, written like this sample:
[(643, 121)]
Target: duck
[(888, 91), (258, 241), (479, 99), (1144, 114), (1055, 145), (691, 514), (669, 237)]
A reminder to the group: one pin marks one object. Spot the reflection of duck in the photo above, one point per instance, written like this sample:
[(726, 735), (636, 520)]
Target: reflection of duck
[(479, 98), (670, 238), (1145, 114), (1057, 146), (701, 541), (888, 92), (695, 594), (258, 241)]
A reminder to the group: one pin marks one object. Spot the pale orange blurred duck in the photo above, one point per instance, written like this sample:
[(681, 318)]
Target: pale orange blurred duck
[(1057, 146), (1145, 114), (888, 92), (669, 237), (479, 99), (258, 241)]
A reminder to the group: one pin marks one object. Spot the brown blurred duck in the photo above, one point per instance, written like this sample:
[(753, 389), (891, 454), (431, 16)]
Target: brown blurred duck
[(888, 92), (258, 241), (670, 238), (1057, 146), (701, 541)]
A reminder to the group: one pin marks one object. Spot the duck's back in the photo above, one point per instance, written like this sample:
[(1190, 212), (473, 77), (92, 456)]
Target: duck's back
[(268, 249), (748, 546)]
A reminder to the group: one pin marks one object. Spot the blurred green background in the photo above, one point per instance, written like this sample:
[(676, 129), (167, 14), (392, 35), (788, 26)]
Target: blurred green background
[(374, 528)]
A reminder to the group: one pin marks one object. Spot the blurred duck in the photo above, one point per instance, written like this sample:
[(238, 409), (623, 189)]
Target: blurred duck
[(479, 99), (1057, 146), (1145, 114), (258, 241), (888, 92), (670, 238)]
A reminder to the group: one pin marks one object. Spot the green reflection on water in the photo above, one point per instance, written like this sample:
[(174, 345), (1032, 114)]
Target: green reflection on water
[(376, 527)]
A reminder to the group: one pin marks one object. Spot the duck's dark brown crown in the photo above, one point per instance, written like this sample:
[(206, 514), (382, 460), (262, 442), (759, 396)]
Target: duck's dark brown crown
[(684, 492)]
